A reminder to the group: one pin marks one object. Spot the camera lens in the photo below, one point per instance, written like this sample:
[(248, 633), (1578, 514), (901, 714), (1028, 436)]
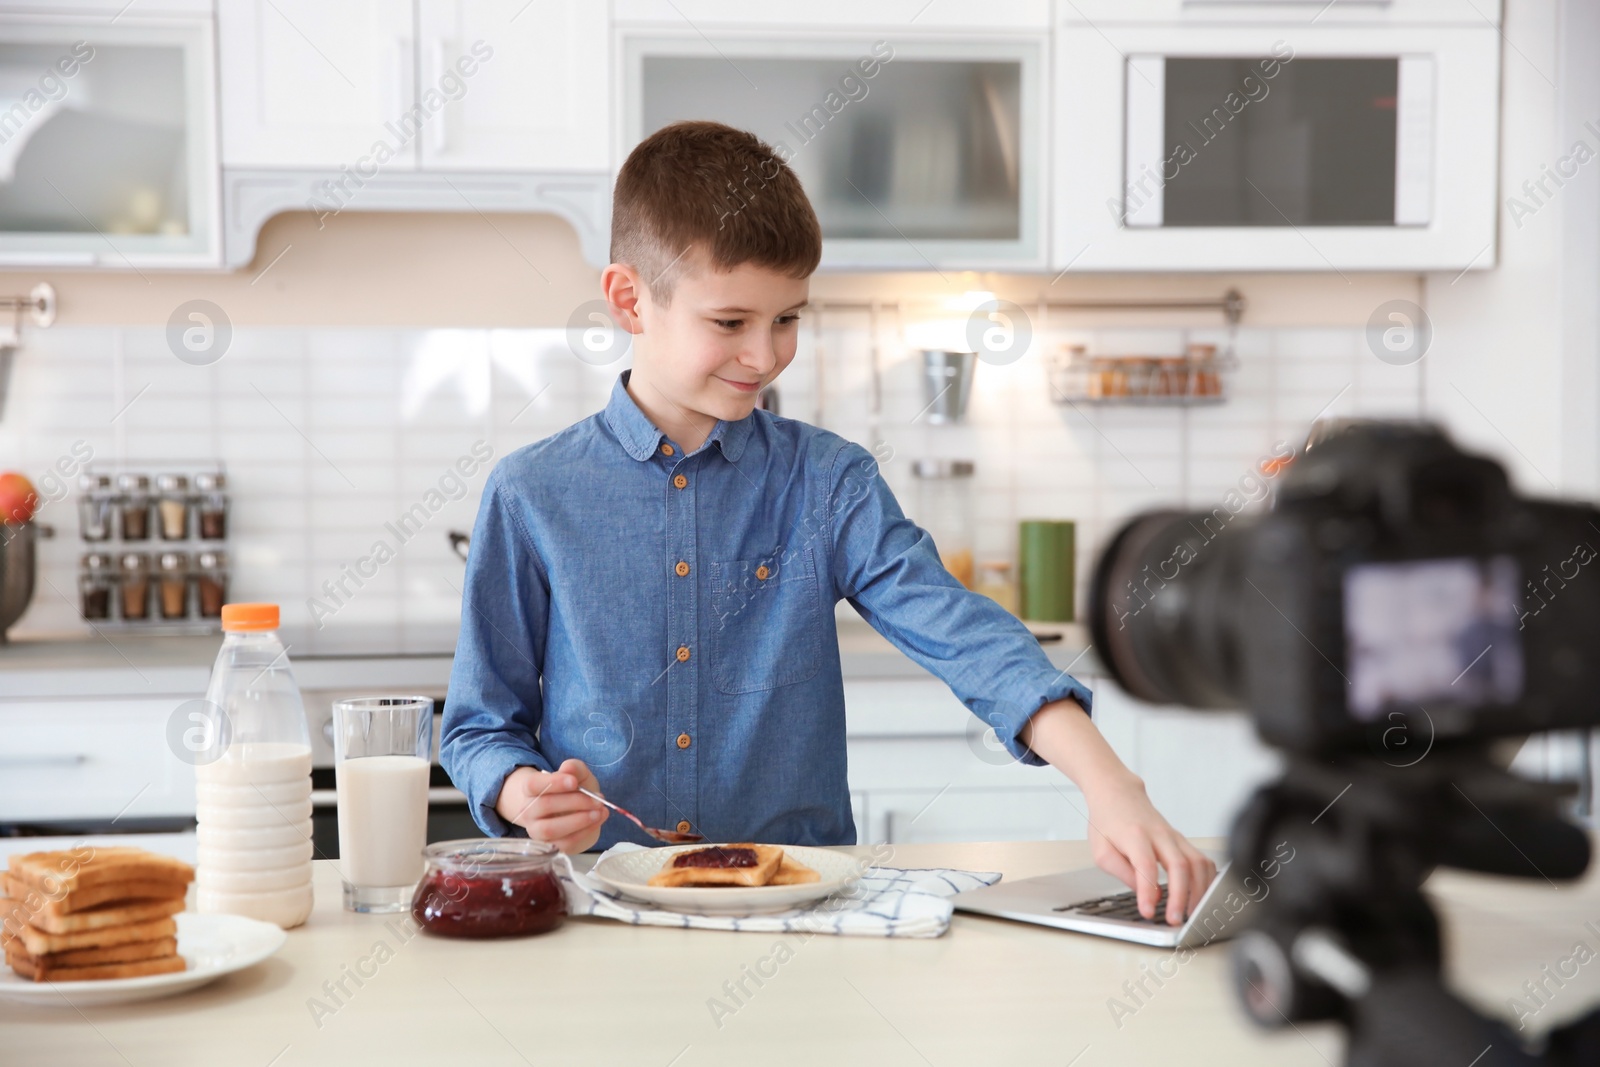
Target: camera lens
[(1161, 607)]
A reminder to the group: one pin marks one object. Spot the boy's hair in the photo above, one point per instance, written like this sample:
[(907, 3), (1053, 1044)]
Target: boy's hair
[(709, 185)]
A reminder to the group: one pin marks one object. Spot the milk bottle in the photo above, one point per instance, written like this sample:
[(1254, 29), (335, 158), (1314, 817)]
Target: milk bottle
[(253, 786)]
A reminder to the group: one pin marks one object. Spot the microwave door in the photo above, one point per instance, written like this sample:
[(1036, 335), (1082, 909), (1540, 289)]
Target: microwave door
[(1232, 141)]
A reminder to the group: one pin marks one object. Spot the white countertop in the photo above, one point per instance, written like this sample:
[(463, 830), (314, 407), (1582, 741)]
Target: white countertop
[(601, 993), (113, 664)]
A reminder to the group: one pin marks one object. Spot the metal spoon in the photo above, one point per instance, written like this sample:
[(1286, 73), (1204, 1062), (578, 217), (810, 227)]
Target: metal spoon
[(666, 837)]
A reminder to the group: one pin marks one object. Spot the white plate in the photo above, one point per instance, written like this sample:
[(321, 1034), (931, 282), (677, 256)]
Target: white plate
[(212, 945), (629, 874)]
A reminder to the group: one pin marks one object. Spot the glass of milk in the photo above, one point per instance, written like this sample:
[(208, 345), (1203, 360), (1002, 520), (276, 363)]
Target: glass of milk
[(381, 749)]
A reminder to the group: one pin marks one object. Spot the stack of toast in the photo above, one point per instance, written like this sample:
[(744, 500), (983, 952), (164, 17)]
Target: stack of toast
[(92, 912)]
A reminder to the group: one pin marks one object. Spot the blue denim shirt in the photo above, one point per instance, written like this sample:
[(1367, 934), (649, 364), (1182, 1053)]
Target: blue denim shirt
[(668, 619)]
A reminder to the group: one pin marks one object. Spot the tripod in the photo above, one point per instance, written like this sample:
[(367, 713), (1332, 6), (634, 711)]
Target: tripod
[(1346, 933)]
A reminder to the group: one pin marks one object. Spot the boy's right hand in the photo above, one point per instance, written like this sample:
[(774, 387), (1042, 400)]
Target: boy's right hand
[(549, 806)]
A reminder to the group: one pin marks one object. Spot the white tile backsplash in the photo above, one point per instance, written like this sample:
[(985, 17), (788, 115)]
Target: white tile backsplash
[(330, 433)]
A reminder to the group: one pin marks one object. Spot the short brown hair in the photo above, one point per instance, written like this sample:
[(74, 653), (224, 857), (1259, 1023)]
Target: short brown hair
[(706, 184)]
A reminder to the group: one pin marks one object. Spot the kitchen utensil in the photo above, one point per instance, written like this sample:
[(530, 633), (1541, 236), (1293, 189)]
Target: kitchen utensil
[(1048, 570), (946, 384), (629, 874), (212, 945), (17, 555), (666, 837)]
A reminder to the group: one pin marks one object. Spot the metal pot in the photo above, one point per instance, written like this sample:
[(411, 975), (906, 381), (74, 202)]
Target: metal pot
[(17, 566)]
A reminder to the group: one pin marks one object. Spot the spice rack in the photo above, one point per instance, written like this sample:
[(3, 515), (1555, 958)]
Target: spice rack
[(155, 546), (1200, 376)]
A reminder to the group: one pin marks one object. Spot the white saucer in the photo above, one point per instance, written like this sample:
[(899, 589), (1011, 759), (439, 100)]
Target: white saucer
[(212, 945), (629, 872)]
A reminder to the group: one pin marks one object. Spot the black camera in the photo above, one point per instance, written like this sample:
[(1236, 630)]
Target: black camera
[(1398, 580), (1399, 601)]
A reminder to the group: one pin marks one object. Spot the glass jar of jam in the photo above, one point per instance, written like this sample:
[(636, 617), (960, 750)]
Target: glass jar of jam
[(490, 887)]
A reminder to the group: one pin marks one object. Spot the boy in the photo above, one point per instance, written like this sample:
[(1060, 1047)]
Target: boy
[(648, 609)]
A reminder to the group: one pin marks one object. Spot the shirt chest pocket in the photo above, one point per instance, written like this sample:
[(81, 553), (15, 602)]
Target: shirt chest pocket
[(766, 622)]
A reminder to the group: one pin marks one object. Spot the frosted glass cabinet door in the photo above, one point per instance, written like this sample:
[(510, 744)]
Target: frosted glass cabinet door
[(107, 143), (522, 88), (313, 83), (914, 153)]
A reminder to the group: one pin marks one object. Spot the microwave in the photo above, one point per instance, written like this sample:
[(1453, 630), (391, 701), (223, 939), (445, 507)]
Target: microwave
[(1259, 146)]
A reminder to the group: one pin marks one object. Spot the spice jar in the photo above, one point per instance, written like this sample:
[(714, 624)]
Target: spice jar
[(211, 505), (945, 510), (492, 887), (136, 585), (173, 506), (95, 505), (995, 582), (174, 585), (96, 576), (1207, 380), (135, 491), (211, 583)]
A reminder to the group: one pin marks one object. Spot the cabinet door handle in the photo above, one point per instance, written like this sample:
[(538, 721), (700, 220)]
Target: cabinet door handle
[(400, 58), (438, 131), (45, 760)]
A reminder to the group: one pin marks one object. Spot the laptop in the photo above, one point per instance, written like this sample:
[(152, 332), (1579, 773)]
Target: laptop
[(1090, 901)]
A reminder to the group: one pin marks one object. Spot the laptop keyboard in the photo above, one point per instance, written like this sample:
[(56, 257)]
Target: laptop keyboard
[(1122, 906)]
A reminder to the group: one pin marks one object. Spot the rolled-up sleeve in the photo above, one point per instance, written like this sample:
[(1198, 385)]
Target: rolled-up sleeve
[(888, 568), (494, 704)]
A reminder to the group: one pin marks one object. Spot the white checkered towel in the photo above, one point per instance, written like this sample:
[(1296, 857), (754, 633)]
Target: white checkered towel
[(886, 902)]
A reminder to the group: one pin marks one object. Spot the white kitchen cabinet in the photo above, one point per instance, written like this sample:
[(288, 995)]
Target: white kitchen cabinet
[(305, 83), (476, 85), (918, 150), (538, 97), (108, 147), (905, 17), (92, 759), (909, 817)]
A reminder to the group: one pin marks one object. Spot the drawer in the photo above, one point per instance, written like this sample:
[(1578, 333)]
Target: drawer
[(98, 759), (903, 817), (898, 707)]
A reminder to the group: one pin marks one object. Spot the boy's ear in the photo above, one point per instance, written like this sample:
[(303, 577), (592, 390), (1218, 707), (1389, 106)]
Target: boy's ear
[(623, 293)]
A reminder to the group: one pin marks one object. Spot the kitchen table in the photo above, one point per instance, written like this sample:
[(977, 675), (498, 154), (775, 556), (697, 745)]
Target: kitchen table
[(600, 993)]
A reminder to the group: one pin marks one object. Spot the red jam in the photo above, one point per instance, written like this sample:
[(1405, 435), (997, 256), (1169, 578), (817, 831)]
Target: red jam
[(489, 888), (716, 856)]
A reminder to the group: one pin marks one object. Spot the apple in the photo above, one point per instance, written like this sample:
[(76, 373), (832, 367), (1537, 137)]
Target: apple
[(17, 498)]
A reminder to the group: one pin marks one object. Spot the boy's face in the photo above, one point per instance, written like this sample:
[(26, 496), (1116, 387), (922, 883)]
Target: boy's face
[(725, 336)]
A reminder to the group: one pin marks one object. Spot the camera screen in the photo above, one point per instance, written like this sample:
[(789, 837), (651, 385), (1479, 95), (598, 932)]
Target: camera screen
[(1442, 630)]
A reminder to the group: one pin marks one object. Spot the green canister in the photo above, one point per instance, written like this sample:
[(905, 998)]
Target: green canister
[(1047, 571)]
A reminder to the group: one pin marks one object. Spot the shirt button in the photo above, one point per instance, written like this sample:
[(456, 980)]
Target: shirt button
[(666, 449), (683, 740), (683, 653), (683, 826), (681, 570), (762, 572), (679, 481)]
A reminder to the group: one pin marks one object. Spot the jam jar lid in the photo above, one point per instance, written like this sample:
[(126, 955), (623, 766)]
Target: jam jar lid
[(491, 857)]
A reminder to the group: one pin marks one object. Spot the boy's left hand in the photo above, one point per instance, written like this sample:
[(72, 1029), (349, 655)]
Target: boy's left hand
[(1129, 837), (1131, 840)]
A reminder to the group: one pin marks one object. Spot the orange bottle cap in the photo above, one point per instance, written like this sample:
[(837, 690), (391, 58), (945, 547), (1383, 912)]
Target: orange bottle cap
[(244, 617)]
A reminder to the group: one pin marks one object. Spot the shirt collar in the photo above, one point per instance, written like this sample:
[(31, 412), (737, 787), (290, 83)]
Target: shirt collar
[(640, 437)]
